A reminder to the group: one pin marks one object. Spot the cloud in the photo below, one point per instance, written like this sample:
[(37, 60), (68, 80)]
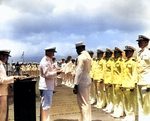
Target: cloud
[(37, 50), (46, 17), (122, 45), (33, 7), (31, 26)]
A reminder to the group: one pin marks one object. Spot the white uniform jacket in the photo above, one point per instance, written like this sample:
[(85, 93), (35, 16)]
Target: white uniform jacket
[(143, 59), (4, 80), (47, 75), (82, 71)]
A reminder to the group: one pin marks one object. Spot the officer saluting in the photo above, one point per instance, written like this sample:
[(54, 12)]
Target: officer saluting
[(143, 59), (4, 81)]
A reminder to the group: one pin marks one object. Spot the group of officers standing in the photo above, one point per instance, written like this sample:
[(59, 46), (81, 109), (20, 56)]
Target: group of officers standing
[(29, 69), (121, 82)]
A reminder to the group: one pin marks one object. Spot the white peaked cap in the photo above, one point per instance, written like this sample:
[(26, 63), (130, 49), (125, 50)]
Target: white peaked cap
[(80, 44), (53, 49)]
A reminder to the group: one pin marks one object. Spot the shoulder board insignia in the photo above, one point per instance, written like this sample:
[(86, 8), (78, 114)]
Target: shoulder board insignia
[(133, 60), (140, 51), (126, 60)]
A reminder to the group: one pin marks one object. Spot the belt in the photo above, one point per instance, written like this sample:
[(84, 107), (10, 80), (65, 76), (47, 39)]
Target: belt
[(131, 90), (110, 85)]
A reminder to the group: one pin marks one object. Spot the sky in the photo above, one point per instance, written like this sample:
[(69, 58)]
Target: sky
[(30, 26)]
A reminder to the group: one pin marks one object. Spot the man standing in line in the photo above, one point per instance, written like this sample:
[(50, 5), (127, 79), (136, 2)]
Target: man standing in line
[(83, 81), (62, 62), (98, 78), (93, 87), (117, 81), (4, 81), (108, 80), (55, 65), (47, 82), (143, 89), (129, 81)]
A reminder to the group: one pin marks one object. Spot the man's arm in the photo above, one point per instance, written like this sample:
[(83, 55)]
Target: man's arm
[(46, 70), (79, 70), (3, 78)]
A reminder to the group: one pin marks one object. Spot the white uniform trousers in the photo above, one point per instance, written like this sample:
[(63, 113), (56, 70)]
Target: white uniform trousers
[(63, 77), (3, 108), (92, 93), (118, 103), (109, 92), (143, 104), (67, 79), (130, 104), (83, 98), (100, 95)]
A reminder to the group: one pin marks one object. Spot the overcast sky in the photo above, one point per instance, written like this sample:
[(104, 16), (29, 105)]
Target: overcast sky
[(30, 26)]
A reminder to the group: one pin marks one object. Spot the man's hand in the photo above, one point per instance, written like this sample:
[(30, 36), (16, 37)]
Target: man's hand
[(58, 71), (75, 89), (17, 77)]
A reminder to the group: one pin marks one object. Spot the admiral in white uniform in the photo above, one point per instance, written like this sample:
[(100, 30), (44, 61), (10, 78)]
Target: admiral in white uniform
[(47, 82)]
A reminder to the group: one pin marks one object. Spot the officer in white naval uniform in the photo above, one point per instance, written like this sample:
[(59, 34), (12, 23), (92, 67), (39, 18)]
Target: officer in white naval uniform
[(143, 90), (83, 81), (4, 81), (47, 82)]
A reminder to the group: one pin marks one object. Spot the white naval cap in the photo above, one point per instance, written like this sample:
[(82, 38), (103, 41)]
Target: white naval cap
[(53, 49), (142, 37), (5, 52), (80, 44)]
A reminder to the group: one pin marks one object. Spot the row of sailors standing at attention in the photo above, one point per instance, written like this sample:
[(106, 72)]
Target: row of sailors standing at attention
[(120, 81), (29, 69), (68, 71)]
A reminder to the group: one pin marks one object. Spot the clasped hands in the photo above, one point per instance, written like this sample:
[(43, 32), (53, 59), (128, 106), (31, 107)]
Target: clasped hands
[(58, 70)]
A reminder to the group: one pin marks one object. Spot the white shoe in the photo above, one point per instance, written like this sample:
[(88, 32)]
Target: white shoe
[(67, 84), (115, 116), (129, 118), (95, 106), (99, 107), (108, 111), (105, 109), (72, 86), (93, 101)]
